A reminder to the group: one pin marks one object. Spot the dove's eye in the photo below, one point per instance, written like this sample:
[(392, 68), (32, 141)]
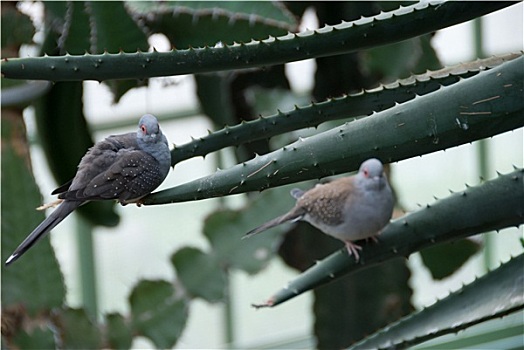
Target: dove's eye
[(143, 128), (366, 172)]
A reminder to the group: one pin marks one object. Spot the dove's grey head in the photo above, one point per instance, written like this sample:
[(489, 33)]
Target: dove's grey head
[(150, 139), (149, 130), (371, 172)]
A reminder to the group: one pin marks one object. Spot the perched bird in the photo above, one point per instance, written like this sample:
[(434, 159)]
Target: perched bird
[(123, 167), (349, 208)]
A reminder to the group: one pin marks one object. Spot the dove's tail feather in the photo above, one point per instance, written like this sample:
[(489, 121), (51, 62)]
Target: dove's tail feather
[(43, 229), (291, 217)]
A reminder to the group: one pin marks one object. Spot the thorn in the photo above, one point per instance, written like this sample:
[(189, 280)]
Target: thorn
[(269, 303)]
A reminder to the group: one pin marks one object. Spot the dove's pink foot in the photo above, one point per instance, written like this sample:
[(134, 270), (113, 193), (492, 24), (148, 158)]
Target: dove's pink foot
[(353, 249)]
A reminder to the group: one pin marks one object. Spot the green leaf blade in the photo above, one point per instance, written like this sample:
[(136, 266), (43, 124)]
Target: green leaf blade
[(35, 281), (481, 106), (200, 24), (156, 313), (200, 274), (118, 335), (343, 38), (471, 305), (225, 228), (76, 330)]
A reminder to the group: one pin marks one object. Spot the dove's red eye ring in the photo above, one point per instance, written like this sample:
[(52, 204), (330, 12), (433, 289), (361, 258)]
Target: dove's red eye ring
[(143, 128), (366, 172)]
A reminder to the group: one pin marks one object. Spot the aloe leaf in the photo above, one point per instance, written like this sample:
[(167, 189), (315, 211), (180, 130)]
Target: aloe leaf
[(355, 105), (389, 61), (36, 338), (97, 27), (494, 205), (494, 295), (404, 23), (115, 31), (17, 28), (71, 22), (214, 96), (76, 331), (156, 313), (482, 106), (36, 281), (456, 253), (118, 332), (200, 274), (199, 24)]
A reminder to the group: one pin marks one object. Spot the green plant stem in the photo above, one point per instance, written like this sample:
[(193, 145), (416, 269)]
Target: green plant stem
[(86, 262), (228, 312)]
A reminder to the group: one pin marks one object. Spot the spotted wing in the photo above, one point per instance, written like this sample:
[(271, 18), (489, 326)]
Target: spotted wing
[(133, 175)]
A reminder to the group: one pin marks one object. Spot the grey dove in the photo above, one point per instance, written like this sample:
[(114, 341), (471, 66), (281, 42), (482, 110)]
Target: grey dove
[(122, 167), (349, 208)]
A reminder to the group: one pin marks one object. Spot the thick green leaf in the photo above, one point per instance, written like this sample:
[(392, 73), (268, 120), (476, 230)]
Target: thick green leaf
[(443, 260), (350, 106), (445, 118), (76, 330), (17, 28), (115, 31), (267, 101), (429, 59), (200, 274), (74, 27), (402, 24), (259, 10), (118, 335), (56, 12), (157, 313), (199, 24), (35, 281), (494, 295), (214, 95), (36, 338), (398, 60), (499, 333), (225, 229), (97, 27)]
